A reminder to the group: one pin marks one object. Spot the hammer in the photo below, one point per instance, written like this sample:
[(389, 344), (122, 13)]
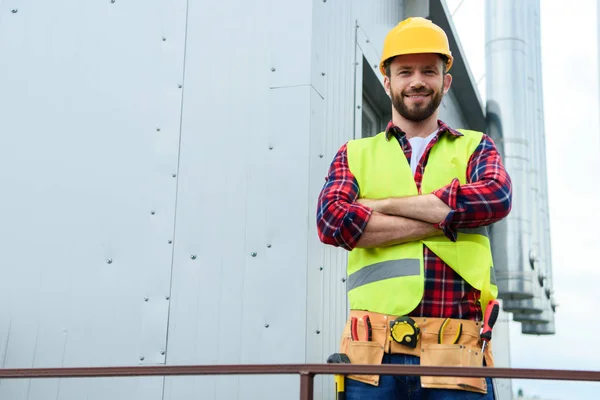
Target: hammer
[(339, 358)]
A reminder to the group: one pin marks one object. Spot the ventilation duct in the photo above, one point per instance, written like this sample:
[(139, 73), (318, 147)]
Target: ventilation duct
[(507, 119), (530, 310), (536, 314), (546, 328)]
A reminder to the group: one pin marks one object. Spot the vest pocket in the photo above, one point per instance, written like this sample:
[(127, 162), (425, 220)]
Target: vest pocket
[(452, 355)]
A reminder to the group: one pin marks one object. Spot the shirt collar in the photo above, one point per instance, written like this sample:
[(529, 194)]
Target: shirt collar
[(393, 130)]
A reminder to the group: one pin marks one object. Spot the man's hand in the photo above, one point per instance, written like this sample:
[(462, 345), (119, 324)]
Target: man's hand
[(427, 208)]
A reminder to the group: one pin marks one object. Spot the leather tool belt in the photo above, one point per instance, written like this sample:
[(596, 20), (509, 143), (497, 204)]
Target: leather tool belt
[(441, 342)]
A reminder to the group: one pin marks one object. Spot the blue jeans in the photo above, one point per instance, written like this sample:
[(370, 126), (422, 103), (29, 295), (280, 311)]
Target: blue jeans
[(407, 387)]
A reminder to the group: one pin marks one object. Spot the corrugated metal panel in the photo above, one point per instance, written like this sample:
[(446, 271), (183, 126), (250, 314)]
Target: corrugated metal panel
[(85, 88)]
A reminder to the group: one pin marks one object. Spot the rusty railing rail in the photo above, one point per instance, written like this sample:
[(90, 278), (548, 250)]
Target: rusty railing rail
[(307, 372)]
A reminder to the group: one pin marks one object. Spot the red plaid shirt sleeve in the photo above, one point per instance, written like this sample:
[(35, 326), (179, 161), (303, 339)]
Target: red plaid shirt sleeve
[(341, 221), (485, 198)]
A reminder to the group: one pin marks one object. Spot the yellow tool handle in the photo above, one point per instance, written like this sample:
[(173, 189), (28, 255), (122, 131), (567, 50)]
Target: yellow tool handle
[(340, 390)]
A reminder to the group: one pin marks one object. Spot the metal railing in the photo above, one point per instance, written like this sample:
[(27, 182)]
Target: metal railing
[(307, 372)]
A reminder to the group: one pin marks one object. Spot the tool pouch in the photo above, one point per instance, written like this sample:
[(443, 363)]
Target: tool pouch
[(364, 352), (452, 355)]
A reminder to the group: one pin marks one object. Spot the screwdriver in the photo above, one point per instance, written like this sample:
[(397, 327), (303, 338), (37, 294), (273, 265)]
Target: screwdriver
[(491, 315)]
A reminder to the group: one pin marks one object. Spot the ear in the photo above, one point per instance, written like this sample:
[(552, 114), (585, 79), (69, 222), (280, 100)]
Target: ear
[(447, 82), (387, 85)]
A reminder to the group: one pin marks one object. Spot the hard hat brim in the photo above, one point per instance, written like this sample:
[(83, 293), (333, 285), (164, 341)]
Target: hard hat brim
[(418, 51)]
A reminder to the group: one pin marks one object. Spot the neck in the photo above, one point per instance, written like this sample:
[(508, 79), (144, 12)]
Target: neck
[(412, 129)]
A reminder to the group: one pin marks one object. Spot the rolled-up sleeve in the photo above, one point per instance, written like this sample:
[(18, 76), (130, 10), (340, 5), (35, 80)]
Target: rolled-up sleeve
[(340, 221), (485, 198)]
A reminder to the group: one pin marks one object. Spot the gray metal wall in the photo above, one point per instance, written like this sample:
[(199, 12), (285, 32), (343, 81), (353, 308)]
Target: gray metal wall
[(160, 166), (88, 193)]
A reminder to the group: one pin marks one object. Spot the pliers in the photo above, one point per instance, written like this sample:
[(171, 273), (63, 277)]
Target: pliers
[(443, 327), (368, 328)]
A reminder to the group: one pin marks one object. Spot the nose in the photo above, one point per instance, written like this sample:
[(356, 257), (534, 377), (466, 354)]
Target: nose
[(417, 82)]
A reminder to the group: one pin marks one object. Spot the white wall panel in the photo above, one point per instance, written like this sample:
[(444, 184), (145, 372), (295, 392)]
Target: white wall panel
[(242, 207), (317, 316), (289, 27), (90, 129), (224, 123)]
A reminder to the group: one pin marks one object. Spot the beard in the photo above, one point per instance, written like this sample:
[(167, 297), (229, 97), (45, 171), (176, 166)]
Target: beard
[(418, 112)]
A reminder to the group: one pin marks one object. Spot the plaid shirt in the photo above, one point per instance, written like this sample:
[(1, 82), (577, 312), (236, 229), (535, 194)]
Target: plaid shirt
[(483, 200)]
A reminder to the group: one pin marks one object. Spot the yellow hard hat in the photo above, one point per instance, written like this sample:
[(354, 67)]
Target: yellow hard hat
[(415, 35)]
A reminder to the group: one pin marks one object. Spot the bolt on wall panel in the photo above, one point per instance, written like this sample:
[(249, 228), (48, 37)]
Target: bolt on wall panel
[(91, 102)]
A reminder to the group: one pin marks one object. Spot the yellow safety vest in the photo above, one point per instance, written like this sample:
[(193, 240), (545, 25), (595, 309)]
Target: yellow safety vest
[(390, 280)]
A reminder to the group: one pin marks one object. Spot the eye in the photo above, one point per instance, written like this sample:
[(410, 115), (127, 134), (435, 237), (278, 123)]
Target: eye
[(430, 72)]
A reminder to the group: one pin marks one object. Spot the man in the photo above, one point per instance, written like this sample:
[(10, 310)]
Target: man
[(411, 206)]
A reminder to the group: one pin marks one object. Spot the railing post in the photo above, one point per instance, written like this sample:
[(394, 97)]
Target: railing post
[(306, 385)]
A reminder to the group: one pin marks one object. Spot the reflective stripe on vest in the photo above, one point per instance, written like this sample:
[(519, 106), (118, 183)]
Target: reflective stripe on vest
[(383, 270), (390, 280)]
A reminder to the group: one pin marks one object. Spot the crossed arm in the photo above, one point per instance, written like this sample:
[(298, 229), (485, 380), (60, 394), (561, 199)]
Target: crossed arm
[(402, 219), (347, 221)]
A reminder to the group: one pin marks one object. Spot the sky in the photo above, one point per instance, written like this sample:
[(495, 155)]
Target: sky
[(569, 41)]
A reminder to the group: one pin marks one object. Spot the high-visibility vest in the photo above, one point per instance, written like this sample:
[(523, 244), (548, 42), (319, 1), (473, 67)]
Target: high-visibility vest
[(390, 280)]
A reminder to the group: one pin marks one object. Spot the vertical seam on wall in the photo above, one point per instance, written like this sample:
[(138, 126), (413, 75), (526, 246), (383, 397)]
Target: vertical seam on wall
[(187, 7)]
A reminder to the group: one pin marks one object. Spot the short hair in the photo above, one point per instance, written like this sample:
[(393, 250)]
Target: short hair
[(387, 63)]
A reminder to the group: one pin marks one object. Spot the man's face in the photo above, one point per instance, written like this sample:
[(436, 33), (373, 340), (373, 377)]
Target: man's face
[(417, 84)]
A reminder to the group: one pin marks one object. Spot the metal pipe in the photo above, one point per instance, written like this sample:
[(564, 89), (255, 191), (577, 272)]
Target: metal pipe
[(301, 369), (505, 72), (306, 385), (548, 327), (530, 310)]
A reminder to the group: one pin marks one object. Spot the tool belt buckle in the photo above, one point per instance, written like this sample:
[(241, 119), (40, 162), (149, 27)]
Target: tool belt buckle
[(405, 331)]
